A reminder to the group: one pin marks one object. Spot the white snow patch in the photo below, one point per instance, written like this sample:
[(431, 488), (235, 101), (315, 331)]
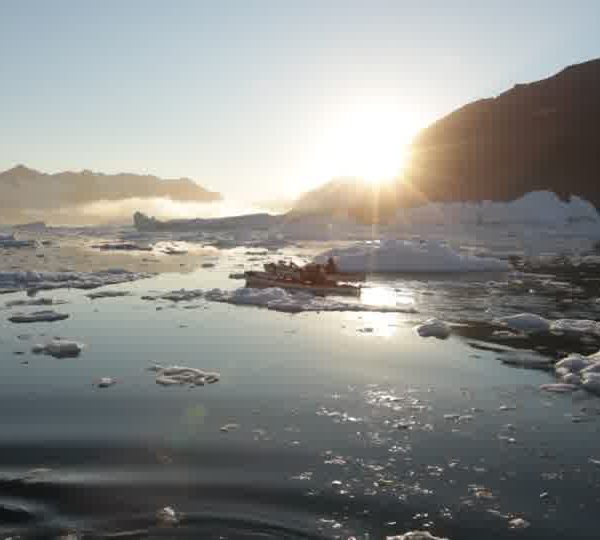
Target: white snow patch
[(38, 316), (434, 328), (59, 348), (409, 256)]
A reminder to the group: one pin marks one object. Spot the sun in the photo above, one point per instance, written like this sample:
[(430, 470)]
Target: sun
[(368, 142)]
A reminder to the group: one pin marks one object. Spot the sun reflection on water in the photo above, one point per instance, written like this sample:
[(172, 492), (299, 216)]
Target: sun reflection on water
[(383, 324)]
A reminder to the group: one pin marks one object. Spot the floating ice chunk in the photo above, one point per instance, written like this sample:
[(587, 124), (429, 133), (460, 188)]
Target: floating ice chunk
[(180, 375), (415, 535), (106, 382), (409, 256), (20, 280), (559, 388), (170, 250), (572, 364), (38, 316), (592, 368), (122, 246), (434, 328), (576, 326), (35, 302), (229, 427), (167, 516), (571, 378), (518, 523), (525, 322), (107, 294), (277, 299), (9, 241), (59, 348), (591, 382)]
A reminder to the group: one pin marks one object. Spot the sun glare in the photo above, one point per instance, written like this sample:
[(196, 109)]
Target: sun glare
[(368, 142)]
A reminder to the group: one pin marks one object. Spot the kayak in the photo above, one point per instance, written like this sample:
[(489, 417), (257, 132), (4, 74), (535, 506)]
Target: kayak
[(261, 280)]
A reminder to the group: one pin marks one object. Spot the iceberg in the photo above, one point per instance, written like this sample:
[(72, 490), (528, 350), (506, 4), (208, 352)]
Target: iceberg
[(389, 256)]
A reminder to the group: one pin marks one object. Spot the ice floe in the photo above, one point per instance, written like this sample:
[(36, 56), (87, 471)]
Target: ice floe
[(168, 516), (122, 246), (107, 294), (415, 535), (180, 375), (559, 388), (591, 382), (525, 322), (580, 371), (29, 280), (106, 382), (35, 302), (9, 241), (434, 328), (576, 326), (409, 256), (59, 348), (275, 299), (38, 316)]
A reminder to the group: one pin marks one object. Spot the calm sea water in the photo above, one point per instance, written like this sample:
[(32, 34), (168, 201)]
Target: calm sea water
[(339, 425)]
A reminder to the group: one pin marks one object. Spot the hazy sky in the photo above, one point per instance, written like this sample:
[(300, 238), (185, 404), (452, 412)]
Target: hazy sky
[(251, 98)]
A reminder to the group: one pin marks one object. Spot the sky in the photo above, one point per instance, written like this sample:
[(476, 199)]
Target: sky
[(261, 99)]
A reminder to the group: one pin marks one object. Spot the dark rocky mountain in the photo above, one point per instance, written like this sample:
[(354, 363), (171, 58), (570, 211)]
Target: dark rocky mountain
[(539, 136), (22, 188)]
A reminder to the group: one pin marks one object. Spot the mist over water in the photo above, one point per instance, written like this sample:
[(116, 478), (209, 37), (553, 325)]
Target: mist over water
[(117, 212)]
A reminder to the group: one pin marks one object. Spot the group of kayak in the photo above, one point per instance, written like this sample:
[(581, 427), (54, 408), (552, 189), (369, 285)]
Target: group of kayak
[(313, 277)]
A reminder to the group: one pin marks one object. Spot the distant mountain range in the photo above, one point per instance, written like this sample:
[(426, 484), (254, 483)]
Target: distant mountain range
[(25, 188), (538, 136)]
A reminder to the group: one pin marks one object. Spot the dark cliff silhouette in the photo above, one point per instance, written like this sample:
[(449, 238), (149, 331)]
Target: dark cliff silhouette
[(539, 136)]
